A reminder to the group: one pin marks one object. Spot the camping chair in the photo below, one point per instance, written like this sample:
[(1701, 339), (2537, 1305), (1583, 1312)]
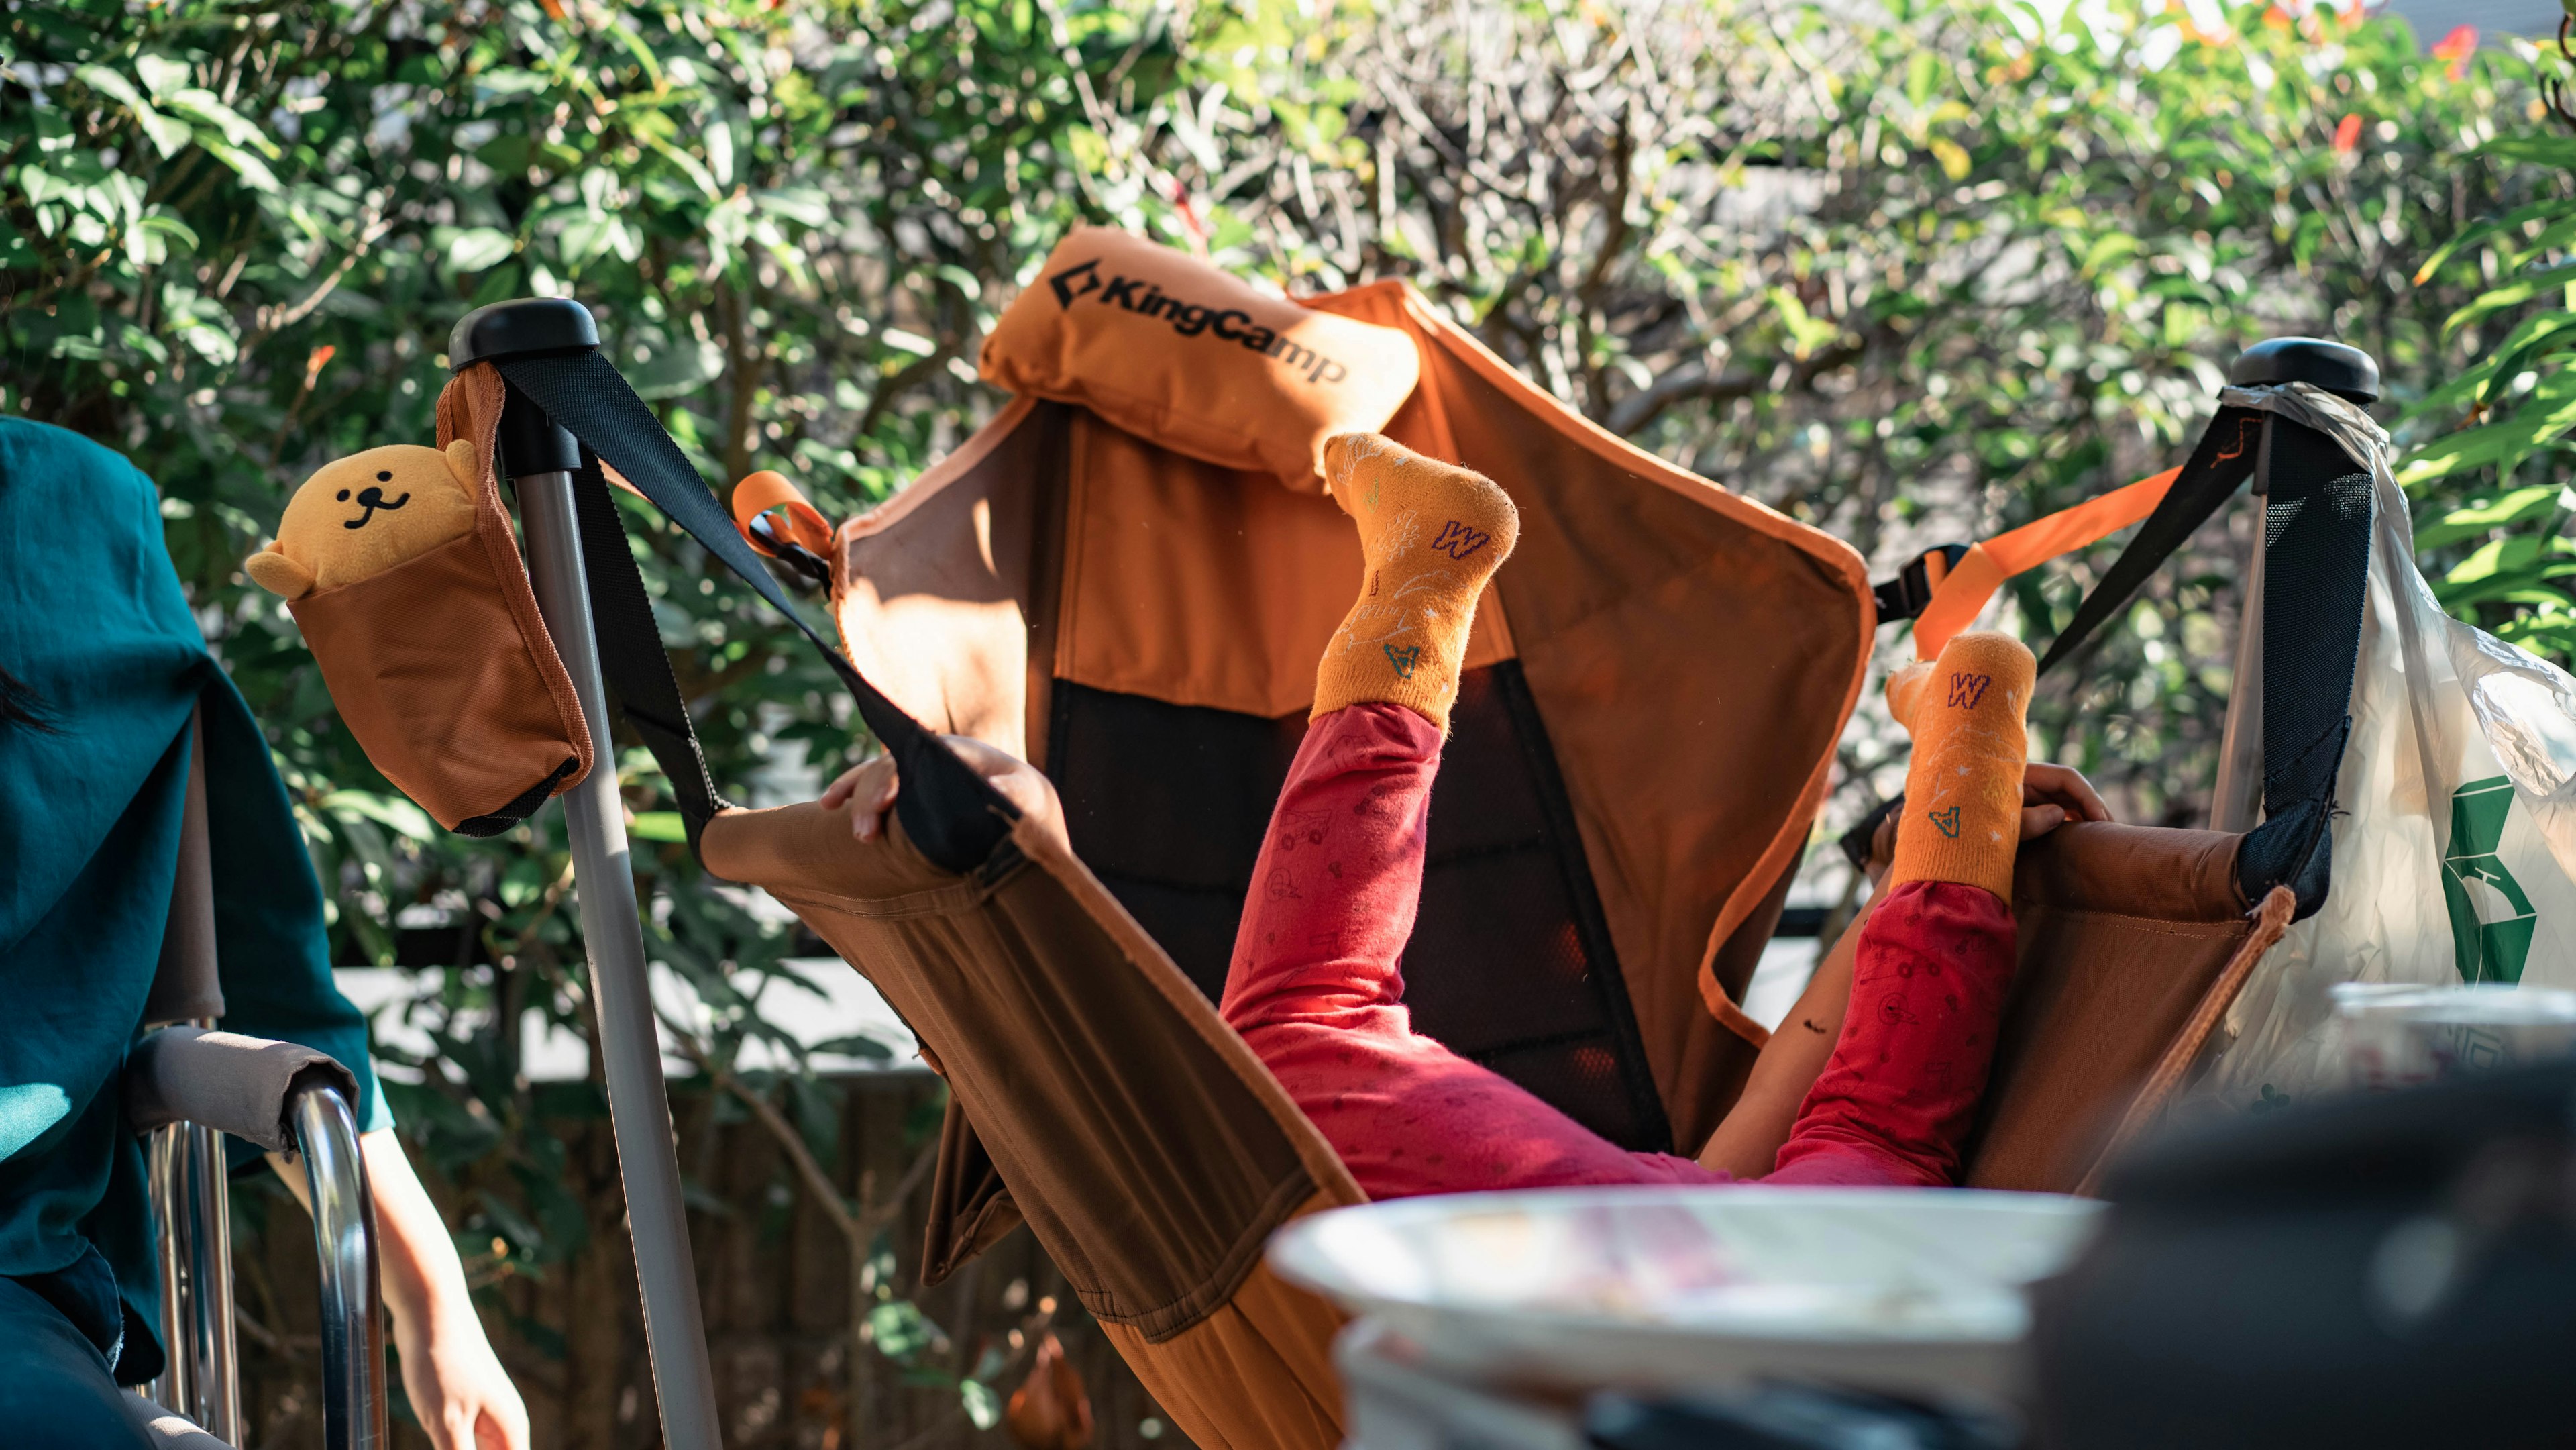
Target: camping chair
[(186, 1085), (1096, 1095)]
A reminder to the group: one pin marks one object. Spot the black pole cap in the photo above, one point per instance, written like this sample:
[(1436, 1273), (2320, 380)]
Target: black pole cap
[(2339, 368), (528, 327)]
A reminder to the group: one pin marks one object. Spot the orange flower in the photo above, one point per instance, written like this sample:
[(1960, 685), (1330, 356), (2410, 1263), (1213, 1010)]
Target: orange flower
[(315, 361), (2347, 135), (2456, 48)]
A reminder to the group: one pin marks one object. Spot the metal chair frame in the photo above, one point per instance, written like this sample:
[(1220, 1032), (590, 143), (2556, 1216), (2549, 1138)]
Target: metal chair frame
[(201, 1377)]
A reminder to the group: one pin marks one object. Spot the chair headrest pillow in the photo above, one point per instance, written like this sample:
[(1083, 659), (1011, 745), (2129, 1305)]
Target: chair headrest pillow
[(1181, 354)]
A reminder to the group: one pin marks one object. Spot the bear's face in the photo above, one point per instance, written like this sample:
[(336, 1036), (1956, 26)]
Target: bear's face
[(362, 515)]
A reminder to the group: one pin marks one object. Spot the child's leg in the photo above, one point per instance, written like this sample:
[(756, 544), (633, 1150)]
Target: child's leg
[(1316, 985), (1900, 1093)]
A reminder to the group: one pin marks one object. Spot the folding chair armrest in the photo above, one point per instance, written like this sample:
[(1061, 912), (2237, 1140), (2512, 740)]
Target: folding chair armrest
[(240, 1085), (293, 1100), (344, 1233), (168, 1429)]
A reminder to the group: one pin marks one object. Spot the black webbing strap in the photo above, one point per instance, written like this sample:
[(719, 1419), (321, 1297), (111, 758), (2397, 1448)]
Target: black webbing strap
[(2223, 459), (2316, 576), (632, 662), (952, 815)]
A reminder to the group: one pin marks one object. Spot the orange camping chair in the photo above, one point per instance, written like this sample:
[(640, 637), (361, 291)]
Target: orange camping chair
[(1655, 689)]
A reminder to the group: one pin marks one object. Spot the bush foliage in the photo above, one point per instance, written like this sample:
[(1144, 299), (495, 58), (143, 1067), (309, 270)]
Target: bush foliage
[(1910, 282)]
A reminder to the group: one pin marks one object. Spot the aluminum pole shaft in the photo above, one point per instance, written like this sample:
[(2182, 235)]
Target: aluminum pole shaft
[(639, 1105)]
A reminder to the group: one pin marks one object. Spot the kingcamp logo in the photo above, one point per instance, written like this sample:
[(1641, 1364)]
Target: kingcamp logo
[(1190, 319)]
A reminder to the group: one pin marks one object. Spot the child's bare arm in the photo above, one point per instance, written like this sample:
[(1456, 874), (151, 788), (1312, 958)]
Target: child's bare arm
[(1749, 1138)]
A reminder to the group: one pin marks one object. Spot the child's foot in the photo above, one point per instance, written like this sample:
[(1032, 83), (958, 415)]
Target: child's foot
[(1963, 790), (1433, 534)]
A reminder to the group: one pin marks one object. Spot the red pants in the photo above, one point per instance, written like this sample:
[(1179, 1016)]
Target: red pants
[(1317, 988)]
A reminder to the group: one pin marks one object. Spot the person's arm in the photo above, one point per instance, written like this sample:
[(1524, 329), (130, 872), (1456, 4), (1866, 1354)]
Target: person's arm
[(1749, 1137), (457, 1386)]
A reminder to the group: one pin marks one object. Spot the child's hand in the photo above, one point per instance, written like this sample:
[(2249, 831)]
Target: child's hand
[(2051, 795), (870, 789)]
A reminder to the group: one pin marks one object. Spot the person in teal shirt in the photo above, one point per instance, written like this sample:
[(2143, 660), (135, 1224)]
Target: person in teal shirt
[(101, 665)]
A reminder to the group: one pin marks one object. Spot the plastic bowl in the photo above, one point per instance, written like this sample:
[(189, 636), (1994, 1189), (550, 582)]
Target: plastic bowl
[(1911, 1291)]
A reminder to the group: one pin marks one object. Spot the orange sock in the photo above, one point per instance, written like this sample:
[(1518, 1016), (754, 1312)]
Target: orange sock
[(1432, 535), (1963, 789)]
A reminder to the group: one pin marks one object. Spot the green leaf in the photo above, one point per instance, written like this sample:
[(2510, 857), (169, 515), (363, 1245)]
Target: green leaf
[(2547, 413), (2538, 148), (107, 82), (983, 1406), (803, 205), (900, 1331), (2538, 336), (665, 827), (2519, 506), (2511, 294), (253, 171), (207, 108), (168, 134), (476, 249), (394, 813), (161, 75)]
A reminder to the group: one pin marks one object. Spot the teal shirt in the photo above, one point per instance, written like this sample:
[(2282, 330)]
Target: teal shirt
[(93, 622)]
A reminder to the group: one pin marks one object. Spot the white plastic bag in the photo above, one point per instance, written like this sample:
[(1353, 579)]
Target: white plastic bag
[(2454, 854)]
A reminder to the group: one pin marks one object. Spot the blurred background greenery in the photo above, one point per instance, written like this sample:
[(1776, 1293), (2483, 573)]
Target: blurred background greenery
[(1913, 279)]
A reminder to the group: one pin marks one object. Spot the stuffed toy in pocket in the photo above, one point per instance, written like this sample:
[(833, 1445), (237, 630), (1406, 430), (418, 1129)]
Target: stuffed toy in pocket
[(364, 514), (401, 569)]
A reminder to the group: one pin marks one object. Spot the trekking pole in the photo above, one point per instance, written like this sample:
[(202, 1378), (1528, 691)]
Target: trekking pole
[(540, 458), (2236, 804)]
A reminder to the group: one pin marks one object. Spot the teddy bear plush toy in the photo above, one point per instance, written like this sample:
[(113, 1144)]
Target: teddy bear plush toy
[(363, 514)]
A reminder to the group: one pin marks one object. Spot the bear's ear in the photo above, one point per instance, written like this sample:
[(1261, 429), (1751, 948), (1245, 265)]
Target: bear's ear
[(271, 570), (460, 462)]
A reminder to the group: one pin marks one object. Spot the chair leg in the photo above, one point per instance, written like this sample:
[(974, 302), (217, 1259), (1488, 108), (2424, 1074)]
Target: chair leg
[(344, 1233), (201, 1376)]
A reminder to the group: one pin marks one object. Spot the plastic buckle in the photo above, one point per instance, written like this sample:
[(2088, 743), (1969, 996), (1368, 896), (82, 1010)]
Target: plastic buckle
[(795, 556), (1910, 593)]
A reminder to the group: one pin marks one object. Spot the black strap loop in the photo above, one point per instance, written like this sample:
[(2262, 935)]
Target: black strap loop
[(1910, 593)]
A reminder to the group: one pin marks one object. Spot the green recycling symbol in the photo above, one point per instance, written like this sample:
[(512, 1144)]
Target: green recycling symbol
[(2491, 918)]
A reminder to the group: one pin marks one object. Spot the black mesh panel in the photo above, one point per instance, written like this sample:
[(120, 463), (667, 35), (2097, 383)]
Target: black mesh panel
[(1510, 963)]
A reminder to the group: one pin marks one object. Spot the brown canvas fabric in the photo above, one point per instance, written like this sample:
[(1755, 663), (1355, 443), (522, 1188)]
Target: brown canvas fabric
[(441, 666), (2126, 937), (935, 589), (1199, 360), (1199, 585), (1255, 1374), (437, 686), (1695, 655), (1148, 1149)]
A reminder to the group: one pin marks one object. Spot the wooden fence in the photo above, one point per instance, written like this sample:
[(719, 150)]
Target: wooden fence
[(776, 1280)]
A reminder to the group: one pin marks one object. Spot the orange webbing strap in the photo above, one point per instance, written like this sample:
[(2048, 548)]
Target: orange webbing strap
[(1960, 591), (765, 492)]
